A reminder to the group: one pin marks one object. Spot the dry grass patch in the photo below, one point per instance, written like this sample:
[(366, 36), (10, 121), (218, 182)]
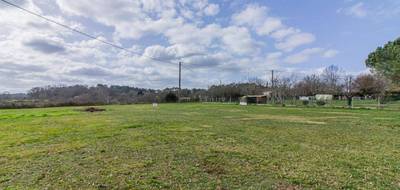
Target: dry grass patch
[(286, 118), (207, 126), (343, 113), (284, 186), (385, 118), (340, 117)]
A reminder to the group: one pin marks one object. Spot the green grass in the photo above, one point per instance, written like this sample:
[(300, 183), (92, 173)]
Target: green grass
[(199, 146)]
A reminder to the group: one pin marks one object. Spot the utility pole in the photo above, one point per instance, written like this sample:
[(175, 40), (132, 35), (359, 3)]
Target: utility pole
[(272, 86), (349, 93), (272, 78), (180, 81)]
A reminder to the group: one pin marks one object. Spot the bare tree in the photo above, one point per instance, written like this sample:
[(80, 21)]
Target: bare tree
[(331, 77), (348, 90), (309, 86), (369, 85)]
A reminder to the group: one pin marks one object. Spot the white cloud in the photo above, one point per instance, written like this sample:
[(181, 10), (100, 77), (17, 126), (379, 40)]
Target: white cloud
[(294, 41), (238, 40), (211, 10), (269, 25), (306, 54), (274, 58), (254, 15), (234, 39), (45, 54), (282, 33), (357, 10), (274, 55), (257, 18), (376, 10), (302, 56), (135, 19), (191, 34), (160, 52), (330, 53)]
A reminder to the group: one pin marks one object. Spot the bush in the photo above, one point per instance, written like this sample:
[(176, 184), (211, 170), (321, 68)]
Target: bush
[(171, 97), (306, 102), (321, 103)]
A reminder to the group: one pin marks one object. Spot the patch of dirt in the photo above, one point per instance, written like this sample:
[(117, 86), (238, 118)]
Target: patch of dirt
[(3, 161), (283, 186), (231, 149), (235, 111), (384, 118), (213, 169), (340, 117), (93, 109), (343, 113), (183, 129), (296, 119), (213, 165), (190, 113)]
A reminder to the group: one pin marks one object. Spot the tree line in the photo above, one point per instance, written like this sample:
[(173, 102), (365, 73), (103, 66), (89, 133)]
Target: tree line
[(330, 81), (382, 82)]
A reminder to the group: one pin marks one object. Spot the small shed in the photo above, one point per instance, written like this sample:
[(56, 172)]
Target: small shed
[(253, 99), (324, 97), (305, 98), (185, 99)]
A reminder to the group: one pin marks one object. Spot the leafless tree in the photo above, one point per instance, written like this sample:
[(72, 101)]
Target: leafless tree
[(331, 77), (309, 86), (370, 85)]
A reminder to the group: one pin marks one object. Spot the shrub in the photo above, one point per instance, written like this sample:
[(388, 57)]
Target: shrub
[(306, 102), (321, 103), (171, 97)]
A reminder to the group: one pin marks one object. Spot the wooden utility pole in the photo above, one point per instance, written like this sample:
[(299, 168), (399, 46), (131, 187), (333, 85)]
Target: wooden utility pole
[(272, 78), (272, 86), (180, 81), (349, 93)]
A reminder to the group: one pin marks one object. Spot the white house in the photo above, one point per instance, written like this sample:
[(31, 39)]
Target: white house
[(324, 97)]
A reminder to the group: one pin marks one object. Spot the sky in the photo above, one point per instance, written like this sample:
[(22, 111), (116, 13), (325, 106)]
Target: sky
[(216, 40)]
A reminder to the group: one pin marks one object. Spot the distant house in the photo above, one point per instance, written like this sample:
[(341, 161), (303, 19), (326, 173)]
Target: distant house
[(253, 99), (267, 93), (305, 98), (324, 97), (185, 99)]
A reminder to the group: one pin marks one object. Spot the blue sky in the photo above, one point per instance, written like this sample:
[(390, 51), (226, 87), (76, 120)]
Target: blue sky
[(225, 40)]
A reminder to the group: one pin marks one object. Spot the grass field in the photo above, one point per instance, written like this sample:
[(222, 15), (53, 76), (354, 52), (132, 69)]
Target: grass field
[(199, 146)]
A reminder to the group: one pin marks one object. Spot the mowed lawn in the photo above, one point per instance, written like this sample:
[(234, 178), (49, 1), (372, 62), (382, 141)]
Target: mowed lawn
[(199, 146)]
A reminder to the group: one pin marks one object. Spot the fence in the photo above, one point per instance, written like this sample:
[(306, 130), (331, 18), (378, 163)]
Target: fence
[(295, 102)]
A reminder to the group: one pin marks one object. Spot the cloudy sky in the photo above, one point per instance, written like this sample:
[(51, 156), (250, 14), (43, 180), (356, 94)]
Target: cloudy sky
[(225, 40)]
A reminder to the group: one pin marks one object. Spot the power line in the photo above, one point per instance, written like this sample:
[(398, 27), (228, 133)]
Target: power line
[(82, 33)]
